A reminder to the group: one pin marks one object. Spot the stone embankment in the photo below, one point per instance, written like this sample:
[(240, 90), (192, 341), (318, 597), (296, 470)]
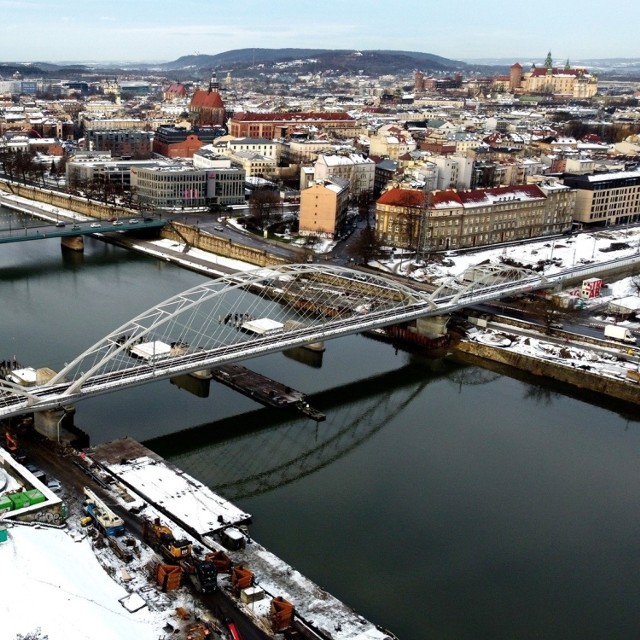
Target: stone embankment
[(578, 378)]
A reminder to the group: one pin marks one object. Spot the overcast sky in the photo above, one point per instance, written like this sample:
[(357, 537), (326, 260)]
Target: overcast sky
[(158, 30)]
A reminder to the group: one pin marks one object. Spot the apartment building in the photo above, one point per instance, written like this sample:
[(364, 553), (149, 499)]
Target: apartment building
[(455, 219), (391, 142), (357, 170), (606, 198), (262, 146), (121, 142), (254, 164), (323, 208)]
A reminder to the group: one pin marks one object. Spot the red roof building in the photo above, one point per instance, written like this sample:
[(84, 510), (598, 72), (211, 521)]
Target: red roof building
[(281, 125), (441, 220), (206, 107)]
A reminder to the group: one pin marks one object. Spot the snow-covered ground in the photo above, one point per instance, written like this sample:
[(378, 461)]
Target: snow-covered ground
[(557, 254), (608, 362), (54, 582)]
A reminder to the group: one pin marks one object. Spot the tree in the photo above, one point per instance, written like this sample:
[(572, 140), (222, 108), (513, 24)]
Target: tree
[(32, 635), (364, 200), (262, 204), (366, 246)]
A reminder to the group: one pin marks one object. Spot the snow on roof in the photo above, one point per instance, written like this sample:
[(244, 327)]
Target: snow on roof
[(628, 303), (27, 376), (186, 498), (614, 175), (262, 326), (151, 350)]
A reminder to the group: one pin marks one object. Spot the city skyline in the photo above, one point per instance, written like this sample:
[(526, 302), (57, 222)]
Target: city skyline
[(55, 31)]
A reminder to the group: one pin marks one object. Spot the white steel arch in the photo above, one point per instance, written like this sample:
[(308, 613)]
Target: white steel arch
[(210, 315)]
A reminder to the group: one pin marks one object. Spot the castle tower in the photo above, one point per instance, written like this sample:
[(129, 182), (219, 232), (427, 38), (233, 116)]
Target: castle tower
[(515, 77)]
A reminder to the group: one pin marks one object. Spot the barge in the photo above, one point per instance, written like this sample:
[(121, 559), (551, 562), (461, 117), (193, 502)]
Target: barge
[(258, 583)]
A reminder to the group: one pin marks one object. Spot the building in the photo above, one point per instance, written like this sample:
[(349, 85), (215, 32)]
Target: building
[(566, 82), (386, 171), (178, 142), (606, 198), (323, 208), (175, 92), (281, 125), (180, 187), (84, 168), (206, 107), (268, 148), (454, 171), (357, 170), (255, 164), (121, 142), (391, 142), (455, 219)]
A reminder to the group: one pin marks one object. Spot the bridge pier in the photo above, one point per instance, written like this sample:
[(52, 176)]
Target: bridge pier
[(50, 423), (432, 327), (75, 243)]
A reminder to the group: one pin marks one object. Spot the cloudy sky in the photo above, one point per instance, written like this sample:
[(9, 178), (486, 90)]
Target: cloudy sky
[(158, 30)]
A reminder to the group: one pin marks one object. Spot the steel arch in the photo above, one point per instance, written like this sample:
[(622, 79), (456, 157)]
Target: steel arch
[(484, 276), (191, 321)]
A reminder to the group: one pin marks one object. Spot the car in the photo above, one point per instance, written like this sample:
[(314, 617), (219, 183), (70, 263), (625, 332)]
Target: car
[(133, 221), (60, 224), (218, 228), (117, 223), (75, 227), (54, 485), (95, 225)]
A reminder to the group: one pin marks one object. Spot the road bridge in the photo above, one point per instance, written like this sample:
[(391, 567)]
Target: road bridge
[(84, 228), (214, 323)]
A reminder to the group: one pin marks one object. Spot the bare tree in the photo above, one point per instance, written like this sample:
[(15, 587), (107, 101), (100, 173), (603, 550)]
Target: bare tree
[(262, 205), (366, 246)]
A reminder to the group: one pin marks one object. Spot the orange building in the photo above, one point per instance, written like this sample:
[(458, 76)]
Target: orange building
[(281, 125)]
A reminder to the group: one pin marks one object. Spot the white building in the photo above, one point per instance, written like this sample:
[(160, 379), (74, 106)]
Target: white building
[(357, 170)]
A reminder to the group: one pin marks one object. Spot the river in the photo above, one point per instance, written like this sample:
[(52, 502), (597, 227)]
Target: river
[(438, 500)]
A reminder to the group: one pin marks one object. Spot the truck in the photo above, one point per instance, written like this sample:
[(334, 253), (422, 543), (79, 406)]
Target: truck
[(621, 334), (202, 573)]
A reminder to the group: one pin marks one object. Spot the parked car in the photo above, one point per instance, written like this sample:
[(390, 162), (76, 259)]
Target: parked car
[(54, 485)]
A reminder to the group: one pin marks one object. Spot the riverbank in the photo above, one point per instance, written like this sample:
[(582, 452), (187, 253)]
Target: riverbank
[(610, 375)]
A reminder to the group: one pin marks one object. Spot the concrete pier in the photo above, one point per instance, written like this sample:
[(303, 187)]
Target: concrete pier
[(75, 243)]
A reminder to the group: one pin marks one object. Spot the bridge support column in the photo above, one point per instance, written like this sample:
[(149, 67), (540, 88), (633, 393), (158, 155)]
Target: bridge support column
[(432, 326), (50, 423), (75, 243)]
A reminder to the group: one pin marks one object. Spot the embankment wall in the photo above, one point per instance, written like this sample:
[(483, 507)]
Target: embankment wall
[(576, 377)]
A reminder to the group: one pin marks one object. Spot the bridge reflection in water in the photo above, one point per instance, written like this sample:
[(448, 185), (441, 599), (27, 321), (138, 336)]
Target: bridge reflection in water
[(244, 456)]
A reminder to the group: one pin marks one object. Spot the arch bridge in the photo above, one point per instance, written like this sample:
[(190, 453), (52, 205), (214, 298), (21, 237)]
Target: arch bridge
[(215, 323)]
